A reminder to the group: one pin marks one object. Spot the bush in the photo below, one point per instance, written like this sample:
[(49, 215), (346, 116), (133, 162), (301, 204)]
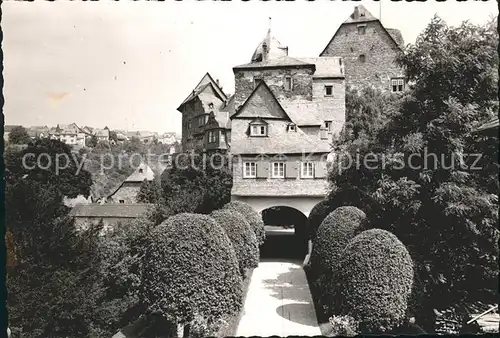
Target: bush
[(373, 281), (189, 269), (345, 326), (316, 216), (252, 216), (242, 237), (336, 230)]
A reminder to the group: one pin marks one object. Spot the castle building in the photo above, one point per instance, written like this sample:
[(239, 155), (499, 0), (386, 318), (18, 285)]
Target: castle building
[(205, 117), (369, 51), (285, 112)]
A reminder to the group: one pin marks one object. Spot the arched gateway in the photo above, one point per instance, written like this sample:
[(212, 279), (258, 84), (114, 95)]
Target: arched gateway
[(302, 203)]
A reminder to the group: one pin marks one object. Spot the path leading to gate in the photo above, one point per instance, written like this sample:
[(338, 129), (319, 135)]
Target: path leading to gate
[(278, 302)]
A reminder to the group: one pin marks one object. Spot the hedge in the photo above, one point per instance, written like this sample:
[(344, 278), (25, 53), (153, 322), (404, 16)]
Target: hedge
[(190, 269), (242, 237), (373, 281), (317, 215), (252, 216), (340, 226)]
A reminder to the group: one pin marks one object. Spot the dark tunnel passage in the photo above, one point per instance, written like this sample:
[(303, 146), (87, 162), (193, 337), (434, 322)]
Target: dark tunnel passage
[(286, 233)]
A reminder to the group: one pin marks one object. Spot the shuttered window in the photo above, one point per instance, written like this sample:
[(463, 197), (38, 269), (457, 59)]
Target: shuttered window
[(291, 169), (262, 169), (320, 169)]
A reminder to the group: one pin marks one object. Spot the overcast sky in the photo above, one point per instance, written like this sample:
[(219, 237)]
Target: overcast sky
[(128, 65)]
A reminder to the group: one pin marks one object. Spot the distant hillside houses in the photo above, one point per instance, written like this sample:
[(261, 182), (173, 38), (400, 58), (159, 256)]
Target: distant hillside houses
[(76, 136)]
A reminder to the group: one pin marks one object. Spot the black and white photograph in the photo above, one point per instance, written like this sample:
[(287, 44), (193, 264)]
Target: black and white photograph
[(191, 169)]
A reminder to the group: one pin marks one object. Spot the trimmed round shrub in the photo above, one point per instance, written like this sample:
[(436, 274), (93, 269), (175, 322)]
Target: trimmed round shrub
[(317, 215), (190, 269), (373, 281), (242, 237), (340, 226), (252, 216)]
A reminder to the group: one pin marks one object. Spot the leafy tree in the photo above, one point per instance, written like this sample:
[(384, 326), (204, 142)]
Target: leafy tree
[(194, 184), (91, 141), (179, 283), (437, 203), (19, 135), (149, 192), (51, 162), (51, 258)]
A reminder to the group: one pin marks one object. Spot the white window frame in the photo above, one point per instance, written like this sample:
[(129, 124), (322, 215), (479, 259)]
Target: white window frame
[(249, 169), (397, 82), (258, 130), (288, 88), (331, 90), (280, 166), (211, 136), (307, 170), (328, 125)]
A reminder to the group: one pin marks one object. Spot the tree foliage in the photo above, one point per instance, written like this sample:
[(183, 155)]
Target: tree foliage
[(252, 216), (242, 238), (178, 282), (51, 162), (19, 135), (373, 281), (423, 188), (195, 183)]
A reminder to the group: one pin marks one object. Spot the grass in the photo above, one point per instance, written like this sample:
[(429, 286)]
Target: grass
[(229, 330)]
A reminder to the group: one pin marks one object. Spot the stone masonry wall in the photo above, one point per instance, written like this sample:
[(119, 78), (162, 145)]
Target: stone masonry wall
[(379, 49), (334, 105), (275, 79)]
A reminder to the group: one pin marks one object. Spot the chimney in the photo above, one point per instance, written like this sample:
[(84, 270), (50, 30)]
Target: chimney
[(356, 13), (217, 81)]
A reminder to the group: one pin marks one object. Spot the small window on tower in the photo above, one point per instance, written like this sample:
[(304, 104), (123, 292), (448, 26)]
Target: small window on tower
[(361, 30), (288, 83), (362, 58), (328, 90)]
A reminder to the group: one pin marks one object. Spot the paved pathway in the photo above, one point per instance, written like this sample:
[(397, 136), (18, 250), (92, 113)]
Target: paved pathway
[(278, 302)]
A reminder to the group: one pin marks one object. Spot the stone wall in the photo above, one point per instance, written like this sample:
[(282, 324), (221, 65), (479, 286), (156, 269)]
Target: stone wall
[(379, 49), (275, 79)]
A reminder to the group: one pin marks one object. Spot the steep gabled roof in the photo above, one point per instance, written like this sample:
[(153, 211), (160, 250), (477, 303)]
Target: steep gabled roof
[(279, 141), (367, 18), (257, 95), (204, 82)]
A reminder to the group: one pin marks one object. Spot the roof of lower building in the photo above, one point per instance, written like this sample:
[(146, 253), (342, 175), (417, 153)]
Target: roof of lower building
[(307, 113), (109, 210), (282, 61), (141, 173)]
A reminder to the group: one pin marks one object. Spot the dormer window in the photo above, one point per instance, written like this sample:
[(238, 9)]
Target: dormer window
[(140, 171), (211, 105), (292, 127), (258, 130)]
